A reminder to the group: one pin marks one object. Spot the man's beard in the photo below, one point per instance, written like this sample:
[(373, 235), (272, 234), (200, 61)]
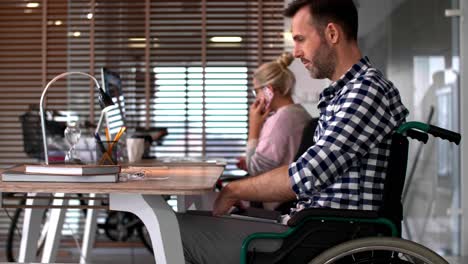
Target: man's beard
[(323, 63)]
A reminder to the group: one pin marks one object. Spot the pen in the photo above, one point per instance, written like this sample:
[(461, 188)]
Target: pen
[(105, 154), (99, 142), (119, 134), (116, 139)]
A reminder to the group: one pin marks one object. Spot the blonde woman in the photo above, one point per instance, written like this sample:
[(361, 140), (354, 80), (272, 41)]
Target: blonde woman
[(275, 121)]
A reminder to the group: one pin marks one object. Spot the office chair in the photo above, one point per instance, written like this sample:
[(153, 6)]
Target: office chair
[(376, 227), (307, 141), (31, 130)]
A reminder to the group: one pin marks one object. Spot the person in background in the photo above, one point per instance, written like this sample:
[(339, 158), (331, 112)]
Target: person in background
[(275, 121)]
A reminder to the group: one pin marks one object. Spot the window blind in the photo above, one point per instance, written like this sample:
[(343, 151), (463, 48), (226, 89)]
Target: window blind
[(185, 65), (32, 50)]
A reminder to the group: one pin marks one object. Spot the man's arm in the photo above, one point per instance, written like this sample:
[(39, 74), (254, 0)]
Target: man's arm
[(272, 186)]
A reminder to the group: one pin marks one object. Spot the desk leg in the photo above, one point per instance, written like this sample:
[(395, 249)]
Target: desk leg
[(160, 221), (54, 232), (31, 229), (181, 206), (89, 231)]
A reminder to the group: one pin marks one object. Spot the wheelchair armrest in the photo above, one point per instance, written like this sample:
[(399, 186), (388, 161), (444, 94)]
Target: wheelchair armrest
[(329, 212)]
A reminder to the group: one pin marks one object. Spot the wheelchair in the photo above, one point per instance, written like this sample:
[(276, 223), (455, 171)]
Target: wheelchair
[(366, 236)]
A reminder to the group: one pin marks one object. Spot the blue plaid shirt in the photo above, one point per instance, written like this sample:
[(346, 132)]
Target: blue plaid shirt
[(346, 167)]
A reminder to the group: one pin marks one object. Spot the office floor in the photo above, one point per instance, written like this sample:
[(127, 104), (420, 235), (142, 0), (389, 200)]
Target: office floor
[(104, 253), (111, 256), (141, 256), (126, 253), (457, 260)]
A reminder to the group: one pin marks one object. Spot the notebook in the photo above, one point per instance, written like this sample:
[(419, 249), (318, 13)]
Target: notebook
[(72, 169), (18, 174)]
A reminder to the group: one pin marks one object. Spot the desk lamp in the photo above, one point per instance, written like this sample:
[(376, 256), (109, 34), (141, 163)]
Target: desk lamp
[(104, 101)]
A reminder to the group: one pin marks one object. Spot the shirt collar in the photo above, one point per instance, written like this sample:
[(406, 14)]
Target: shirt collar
[(355, 71)]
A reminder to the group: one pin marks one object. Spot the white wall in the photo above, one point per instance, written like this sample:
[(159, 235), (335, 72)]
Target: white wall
[(307, 89)]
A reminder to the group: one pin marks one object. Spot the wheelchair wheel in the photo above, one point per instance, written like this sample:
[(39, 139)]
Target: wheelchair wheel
[(120, 226), (14, 231), (14, 235), (379, 250)]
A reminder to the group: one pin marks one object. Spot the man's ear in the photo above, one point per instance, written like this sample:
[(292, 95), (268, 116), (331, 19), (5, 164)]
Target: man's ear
[(332, 33)]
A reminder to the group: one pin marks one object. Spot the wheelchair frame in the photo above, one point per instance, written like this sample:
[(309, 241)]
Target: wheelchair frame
[(391, 201)]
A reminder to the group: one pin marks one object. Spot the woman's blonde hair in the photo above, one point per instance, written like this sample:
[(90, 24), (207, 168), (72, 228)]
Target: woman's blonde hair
[(277, 74)]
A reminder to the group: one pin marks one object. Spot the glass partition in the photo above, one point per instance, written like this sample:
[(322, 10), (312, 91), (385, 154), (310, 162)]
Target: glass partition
[(417, 47)]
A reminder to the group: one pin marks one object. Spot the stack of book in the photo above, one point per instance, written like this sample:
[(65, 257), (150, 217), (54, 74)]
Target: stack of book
[(62, 173)]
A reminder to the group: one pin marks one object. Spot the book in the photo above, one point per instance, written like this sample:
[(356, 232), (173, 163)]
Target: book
[(18, 174), (72, 169)]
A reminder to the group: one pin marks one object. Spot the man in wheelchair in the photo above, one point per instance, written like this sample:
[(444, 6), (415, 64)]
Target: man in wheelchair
[(345, 169)]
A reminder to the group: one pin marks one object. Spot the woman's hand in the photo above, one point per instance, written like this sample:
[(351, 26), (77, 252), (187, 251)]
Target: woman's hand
[(241, 163), (257, 116)]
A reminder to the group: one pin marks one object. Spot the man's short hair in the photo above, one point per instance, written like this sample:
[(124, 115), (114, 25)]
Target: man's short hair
[(341, 12)]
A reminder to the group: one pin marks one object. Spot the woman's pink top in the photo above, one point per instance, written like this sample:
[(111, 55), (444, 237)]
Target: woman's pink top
[(279, 139)]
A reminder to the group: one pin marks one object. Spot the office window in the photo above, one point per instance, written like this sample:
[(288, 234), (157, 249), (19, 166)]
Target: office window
[(204, 121), (32, 50), (185, 65)]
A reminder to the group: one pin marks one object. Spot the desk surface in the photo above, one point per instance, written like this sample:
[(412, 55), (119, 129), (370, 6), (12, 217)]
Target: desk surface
[(162, 180)]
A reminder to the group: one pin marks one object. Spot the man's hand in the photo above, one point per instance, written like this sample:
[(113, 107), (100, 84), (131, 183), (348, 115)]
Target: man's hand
[(225, 201), (272, 186)]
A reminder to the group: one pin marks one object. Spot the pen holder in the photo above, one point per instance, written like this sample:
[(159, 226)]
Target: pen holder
[(107, 152)]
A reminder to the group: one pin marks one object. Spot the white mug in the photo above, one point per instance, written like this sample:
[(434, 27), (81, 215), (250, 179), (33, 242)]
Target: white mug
[(135, 149)]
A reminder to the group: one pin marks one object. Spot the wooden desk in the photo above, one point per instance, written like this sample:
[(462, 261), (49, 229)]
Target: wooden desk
[(140, 197)]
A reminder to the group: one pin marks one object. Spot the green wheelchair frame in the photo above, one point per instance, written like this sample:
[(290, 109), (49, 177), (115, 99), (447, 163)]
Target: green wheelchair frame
[(389, 216)]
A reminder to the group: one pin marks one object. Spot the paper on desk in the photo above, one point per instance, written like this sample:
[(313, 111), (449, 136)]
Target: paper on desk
[(147, 173)]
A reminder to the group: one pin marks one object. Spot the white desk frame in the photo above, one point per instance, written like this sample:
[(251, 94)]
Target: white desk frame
[(155, 213)]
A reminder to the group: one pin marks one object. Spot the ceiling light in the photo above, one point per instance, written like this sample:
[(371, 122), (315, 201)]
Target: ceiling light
[(58, 22), (76, 34), (32, 5), (226, 39), (89, 15)]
